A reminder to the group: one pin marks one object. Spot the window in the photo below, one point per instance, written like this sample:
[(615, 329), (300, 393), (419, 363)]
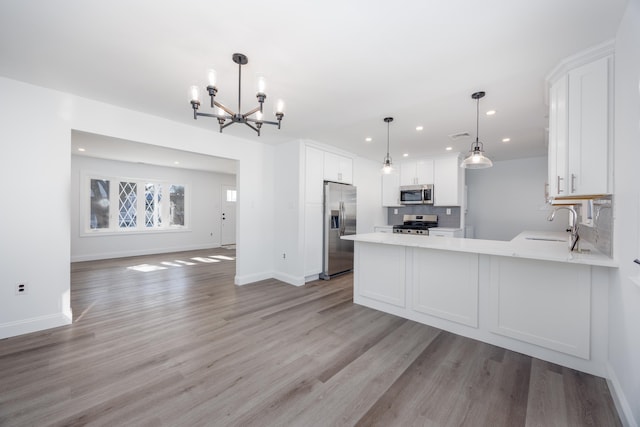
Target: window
[(138, 205), (232, 196)]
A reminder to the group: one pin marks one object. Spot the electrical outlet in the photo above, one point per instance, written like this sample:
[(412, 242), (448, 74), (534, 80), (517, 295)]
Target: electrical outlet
[(448, 211), (21, 288), (395, 211)]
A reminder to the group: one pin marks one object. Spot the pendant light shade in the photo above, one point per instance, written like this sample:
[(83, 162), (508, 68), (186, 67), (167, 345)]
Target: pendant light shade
[(476, 158), (387, 167)]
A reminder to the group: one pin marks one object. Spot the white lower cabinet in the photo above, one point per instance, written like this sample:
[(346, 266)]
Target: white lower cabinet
[(549, 307), (445, 285), (551, 310), (446, 232), (381, 271), (313, 239)]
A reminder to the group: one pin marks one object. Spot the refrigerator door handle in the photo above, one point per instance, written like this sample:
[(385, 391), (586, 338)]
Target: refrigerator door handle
[(342, 219)]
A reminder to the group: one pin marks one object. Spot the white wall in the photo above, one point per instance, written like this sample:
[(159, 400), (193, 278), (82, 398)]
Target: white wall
[(289, 214), (368, 180), (204, 210), (36, 139), (624, 297), (508, 198)]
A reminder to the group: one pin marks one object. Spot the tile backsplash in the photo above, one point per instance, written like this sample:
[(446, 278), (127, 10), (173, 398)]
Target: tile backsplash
[(444, 220), (600, 235)]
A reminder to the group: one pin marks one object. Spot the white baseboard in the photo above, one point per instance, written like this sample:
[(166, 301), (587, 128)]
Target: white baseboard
[(287, 278), (33, 324), (137, 252), (251, 278), (619, 399)]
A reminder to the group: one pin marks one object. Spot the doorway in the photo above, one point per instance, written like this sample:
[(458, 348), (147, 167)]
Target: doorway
[(228, 215)]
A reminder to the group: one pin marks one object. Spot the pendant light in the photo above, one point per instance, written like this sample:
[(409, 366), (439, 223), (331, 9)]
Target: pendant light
[(386, 163), (476, 158)]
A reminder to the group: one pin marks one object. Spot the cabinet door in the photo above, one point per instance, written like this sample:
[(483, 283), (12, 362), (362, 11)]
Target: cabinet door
[(424, 171), (589, 128), (408, 173), (314, 175), (446, 181), (312, 239), (558, 138), (338, 168), (390, 189)]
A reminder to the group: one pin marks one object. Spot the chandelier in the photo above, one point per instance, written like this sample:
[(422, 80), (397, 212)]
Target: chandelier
[(476, 158), (225, 115)]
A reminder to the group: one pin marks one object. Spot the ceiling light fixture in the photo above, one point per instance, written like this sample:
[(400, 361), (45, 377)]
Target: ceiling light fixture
[(506, 139), (476, 158), (491, 112), (225, 113), (368, 139), (419, 128), (386, 164)]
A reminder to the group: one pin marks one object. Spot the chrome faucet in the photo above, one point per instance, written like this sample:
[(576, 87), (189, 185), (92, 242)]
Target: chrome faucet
[(573, 225)]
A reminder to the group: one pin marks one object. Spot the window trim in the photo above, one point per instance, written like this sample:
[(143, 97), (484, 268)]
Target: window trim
[(114, 229)]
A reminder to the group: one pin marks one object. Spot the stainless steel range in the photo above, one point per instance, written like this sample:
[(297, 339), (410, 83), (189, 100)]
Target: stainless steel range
[(416, 224)]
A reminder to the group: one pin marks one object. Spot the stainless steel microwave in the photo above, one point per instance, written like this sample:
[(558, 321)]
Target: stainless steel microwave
[(416, 194)]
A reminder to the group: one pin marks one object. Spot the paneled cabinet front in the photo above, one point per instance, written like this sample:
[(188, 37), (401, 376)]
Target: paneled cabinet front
[(416, 172), (338, 168), (580, 123)]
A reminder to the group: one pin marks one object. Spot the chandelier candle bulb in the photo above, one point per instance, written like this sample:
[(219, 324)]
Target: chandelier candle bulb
[(194, 93), (212, 77)]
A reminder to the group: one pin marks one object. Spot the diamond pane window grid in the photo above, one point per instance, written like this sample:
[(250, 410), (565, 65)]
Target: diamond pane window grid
[(127, 197), (152, 205)]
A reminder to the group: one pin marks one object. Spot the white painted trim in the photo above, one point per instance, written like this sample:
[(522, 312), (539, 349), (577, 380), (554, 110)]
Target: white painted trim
[(252, 278), (619, 398), (34, 324), (287, 278), (581, 58), (138, 252)]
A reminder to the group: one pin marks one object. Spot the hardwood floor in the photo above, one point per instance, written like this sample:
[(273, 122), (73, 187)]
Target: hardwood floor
[(183, 346)]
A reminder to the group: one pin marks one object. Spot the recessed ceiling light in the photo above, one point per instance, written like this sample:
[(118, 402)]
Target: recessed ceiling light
[(368, 139), (419, 128), (449, 148), (491, 112), (176, 162), (81, 149), (405, 155), (506, 139)]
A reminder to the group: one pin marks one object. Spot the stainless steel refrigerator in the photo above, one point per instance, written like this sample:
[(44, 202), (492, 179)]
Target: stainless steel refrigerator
[(339, 220)]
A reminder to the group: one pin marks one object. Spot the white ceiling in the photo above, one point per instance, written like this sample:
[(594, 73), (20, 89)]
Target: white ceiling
[(341, 66)]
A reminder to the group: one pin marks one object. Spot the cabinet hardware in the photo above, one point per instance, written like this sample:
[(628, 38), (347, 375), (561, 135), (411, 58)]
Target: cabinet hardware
[(637, 261), (573, 183), (558, 184)]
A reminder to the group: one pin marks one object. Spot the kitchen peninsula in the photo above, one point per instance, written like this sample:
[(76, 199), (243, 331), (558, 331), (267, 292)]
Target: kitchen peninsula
[(531, 294)]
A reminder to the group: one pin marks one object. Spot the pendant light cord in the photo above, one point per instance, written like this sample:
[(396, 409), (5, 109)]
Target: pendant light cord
[(388, 125), (477, 120)]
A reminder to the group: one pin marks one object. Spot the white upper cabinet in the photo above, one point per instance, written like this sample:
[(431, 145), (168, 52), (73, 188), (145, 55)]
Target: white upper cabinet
[(338, 168), (416, 172), (391, 190), (589, 122), (558, 137), (448, 181), (580, 128)]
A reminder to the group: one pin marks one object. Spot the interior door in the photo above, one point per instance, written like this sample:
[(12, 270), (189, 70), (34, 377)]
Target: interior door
[(228, 215)]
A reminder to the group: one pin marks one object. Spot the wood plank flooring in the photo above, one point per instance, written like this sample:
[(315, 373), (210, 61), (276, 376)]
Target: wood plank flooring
[(182, 346)]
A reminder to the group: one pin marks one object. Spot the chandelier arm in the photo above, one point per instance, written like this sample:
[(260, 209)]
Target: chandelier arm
[(225, 125), (269, 122), (206, 114), (255, 110), (225, 109), (252, 127)]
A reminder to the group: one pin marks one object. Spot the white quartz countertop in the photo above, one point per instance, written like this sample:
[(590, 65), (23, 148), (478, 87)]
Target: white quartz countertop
[(546, 246)]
